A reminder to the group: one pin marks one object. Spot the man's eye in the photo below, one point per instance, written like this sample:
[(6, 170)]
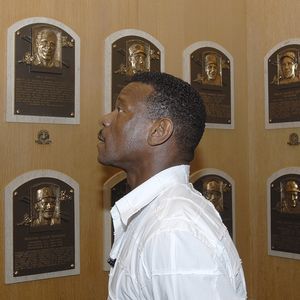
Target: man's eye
[(119, 109)]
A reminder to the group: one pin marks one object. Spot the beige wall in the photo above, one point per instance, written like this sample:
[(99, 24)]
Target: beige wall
[(268, 23), (247, 30)]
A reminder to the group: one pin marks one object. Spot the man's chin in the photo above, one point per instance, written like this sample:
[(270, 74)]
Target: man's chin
[(108, 162), (103, 160)]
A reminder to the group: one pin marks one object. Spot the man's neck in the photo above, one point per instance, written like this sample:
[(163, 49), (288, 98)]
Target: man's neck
[(137, 177)]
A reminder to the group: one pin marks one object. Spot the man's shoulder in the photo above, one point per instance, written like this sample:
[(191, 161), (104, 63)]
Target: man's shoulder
[(183, 191), (183, 198), (181, 208)]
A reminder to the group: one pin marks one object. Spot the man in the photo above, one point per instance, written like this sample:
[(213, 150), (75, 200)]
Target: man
[(212, 74), (288, 65), (289, 202), (137, 58), (46, 207), (46, 43), (170, 242), (213, 191), (137, 61)]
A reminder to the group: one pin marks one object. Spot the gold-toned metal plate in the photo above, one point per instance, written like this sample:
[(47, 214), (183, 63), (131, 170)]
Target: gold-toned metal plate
[(210, 76), (218, 191), (44, 72), (131, 55), (284, 85), (285, 213), (43, 227)]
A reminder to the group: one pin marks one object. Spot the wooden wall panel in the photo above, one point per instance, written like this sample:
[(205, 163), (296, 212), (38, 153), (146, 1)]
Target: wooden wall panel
[(73, 148), (268, 23), (176, 24)]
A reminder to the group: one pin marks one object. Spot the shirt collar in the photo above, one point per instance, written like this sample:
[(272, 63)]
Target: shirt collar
[(142, 195)]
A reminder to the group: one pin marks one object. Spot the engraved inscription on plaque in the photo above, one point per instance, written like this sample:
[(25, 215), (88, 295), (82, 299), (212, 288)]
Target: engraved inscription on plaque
[(131, 55), (283, 84), (219, 192), (285, 214), (43, 227), (44, 72), (210, 76)]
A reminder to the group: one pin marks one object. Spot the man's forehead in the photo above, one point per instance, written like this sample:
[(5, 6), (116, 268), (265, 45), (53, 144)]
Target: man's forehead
[(47, 34), (139, 54), (136, 89)]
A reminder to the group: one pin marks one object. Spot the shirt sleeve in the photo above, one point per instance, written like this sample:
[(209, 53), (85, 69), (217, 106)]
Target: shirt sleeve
[(179, 265)]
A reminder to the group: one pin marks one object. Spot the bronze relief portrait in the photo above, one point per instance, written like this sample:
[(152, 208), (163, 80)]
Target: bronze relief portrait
[(210, 74), (46, 206), (287, 67), (218, 190), (46, 47), (138, 57), (213, 190), (44, 222), (284, 215), (47, 43), (211, 70), (289, 202), (45, 73), (282, 85), (131, 55), (41, 226)]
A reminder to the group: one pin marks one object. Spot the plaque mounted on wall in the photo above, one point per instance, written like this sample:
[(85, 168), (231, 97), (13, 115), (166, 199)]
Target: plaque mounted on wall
[(41, 227), (282, 85), (208, 67), (218, 188), (113, 189), (284, 213), (128, 52), (43, 72)]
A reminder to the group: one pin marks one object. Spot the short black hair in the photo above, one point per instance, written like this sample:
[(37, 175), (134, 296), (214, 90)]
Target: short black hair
[(179, 101)]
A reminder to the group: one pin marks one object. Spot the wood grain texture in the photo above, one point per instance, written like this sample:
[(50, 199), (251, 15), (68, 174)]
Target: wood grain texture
[(268, 23), (249, 153)]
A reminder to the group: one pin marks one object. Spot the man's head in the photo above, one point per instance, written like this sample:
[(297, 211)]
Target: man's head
[(288, 63), (151, 111), (177, 100), (211, 66), (45, 203), (213, 190), (137, 57), (292, 191), (46, 41)]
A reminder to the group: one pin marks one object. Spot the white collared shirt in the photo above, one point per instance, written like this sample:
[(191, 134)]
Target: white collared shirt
[(170, 244)]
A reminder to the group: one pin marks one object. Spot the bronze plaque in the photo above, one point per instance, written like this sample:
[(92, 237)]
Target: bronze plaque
[(285, 214), (44, 72), (218, 191), (210, 76), (43, 227), (118, 191), (284, 85), (130, 55)]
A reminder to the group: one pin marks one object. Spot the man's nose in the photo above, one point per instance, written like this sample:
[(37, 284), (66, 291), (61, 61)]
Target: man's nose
[(106, 120)]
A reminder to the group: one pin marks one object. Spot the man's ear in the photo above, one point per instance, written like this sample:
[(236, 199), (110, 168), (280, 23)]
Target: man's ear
[(160, 131)]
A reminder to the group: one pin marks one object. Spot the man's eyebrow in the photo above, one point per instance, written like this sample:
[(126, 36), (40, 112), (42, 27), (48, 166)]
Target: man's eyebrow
[(119, 99)]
